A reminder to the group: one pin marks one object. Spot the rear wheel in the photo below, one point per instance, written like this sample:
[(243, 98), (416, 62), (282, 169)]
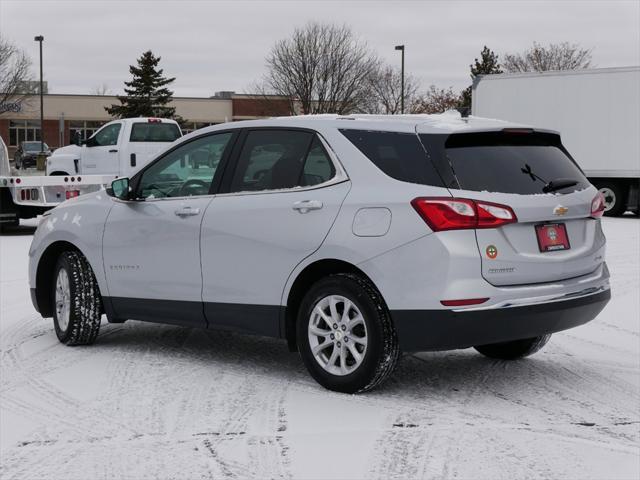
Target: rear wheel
[(514, 349), (345, 334), (77, 305), (614, 198)]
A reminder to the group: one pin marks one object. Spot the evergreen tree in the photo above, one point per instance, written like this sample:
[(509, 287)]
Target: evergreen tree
[(487, 65), (147, 95)]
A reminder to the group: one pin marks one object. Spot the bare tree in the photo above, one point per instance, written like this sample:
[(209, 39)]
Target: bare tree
[(555, 56), (322, 67), (436, 100), (15, 71), (101, 90), (385, 91)]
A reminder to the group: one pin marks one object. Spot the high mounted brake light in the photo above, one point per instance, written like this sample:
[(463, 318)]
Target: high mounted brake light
[(154, 120), (446, 213)]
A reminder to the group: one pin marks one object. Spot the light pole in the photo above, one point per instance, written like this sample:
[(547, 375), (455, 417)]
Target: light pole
[(401, 48), (40, 39)]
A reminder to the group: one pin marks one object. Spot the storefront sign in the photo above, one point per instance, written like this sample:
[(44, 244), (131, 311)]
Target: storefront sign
[(14, 107)]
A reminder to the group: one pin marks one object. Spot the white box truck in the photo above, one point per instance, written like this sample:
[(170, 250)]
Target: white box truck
[(596, 111)]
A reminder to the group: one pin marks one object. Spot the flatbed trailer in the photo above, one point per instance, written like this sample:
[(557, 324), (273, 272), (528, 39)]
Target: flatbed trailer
[(29, 193)]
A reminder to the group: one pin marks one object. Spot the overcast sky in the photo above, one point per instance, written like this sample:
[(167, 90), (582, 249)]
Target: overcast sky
[(221, 45)]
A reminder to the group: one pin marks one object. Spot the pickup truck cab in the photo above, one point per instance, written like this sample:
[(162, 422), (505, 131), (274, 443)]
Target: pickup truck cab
[(118, 148)]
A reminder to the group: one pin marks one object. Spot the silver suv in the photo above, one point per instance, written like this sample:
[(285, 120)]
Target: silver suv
[(354, 238)]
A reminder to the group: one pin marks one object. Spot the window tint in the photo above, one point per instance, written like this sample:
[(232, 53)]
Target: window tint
[(399, 155), (154, 132), (107, 135), (501, 162), (271, 160), (188, 170), (318, 167)]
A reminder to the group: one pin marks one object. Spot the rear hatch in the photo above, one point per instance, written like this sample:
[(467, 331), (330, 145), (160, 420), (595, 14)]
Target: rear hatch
[(555, 236)]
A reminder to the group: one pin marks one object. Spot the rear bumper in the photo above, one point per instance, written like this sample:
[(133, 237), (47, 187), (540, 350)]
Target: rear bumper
[(424, 330)]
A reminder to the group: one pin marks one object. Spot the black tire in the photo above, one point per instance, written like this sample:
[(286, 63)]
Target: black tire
[(382, 350), (616, 195), (514, 349), (85, 301)]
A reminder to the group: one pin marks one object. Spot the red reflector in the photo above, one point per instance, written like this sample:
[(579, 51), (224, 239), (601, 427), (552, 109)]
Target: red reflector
[(597, 206), (72, 194), (18, 180), (447, 213), (463, 302)]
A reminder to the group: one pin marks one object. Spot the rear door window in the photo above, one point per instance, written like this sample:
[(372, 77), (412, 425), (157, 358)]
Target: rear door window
[(154, 132), (281, 159), (399, 155), (522, 163)]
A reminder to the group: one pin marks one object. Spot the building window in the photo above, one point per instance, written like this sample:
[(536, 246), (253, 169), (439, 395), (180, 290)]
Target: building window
[(188, 127), (83, 128), (23, 131)]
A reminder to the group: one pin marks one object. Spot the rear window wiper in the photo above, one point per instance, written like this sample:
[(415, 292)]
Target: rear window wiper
[(553, 185), (559, 184)]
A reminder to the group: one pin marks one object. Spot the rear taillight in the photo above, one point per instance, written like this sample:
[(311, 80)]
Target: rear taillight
[(72, 194), (445, 213), (597, 206)]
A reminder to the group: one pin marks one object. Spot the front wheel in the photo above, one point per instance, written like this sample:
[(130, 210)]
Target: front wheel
[(77, 304), (514, 349), (345, 334)]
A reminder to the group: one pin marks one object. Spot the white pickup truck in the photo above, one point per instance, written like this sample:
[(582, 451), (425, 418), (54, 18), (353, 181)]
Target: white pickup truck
[(118, 148)]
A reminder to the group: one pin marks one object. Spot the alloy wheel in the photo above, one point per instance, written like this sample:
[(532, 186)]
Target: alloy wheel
[(337, 335)]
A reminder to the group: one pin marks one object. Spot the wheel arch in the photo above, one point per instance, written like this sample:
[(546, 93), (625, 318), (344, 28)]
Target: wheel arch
[(45, 272), (303, 281)]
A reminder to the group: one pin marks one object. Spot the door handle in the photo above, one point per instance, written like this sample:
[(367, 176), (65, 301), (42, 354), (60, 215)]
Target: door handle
[(187, 212), (113, 150), (304, 206)]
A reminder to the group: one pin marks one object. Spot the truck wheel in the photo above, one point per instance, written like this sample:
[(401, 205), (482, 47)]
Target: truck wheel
[(614, 198), (345, 334), (514, 349), (77, 304)]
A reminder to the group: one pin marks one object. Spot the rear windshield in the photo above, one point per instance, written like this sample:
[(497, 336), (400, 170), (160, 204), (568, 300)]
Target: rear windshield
[(399, 155), (154, 132), (523, 163)]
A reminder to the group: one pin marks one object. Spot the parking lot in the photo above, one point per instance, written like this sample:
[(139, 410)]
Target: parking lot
[(151, 401)]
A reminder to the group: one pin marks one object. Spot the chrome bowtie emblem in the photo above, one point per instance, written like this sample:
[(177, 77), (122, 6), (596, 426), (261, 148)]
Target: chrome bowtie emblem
[(560, 210)]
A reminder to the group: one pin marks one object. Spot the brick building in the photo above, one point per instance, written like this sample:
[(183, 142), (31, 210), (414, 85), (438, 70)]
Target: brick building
[(66, 115)]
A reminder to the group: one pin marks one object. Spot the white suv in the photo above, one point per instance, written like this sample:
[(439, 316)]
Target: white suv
[(353, 238)]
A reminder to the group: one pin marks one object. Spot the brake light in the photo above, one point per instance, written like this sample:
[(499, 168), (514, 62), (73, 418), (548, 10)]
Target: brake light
[(154, 120), (72, 194), (597, 206), (445, 213)]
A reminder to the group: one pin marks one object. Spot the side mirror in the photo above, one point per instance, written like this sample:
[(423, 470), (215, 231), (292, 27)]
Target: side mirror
[(119, 188)]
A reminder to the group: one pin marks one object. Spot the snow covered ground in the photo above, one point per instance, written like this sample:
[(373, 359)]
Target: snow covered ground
[(150, 401)]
